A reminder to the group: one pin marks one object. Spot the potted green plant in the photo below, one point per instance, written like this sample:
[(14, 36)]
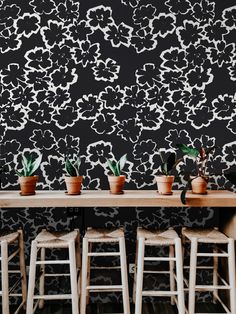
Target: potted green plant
[(27, 179), (198, 179), (73, 179), (117, 180), (165, 179)]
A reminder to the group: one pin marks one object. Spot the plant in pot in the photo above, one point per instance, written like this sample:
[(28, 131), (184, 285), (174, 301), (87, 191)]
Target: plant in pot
[(27, 179), (165, 180), (117, 180), (196, 180), (73, 179)]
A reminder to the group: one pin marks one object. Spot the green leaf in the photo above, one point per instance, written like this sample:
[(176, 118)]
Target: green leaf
[(112, 166), (34, 165), (77, 165), (164, 168), (162, 158), (117, 169), (70, 169), (193, 152), (20, 174), (184, 191), (231, 176), (183, 196), (122, 162)]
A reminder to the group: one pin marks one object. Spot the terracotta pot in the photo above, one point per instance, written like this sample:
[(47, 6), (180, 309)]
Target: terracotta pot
[(28, 185), (73, 185), (199, 185), (164, 184), (116, 184)]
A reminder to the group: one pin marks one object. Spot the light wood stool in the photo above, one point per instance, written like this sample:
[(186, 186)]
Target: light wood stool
[(167, 238), (103, 236), (54, 240), (215, 237), (7, 239)]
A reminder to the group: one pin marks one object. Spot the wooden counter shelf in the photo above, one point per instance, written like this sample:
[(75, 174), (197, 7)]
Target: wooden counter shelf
[(130, 198)]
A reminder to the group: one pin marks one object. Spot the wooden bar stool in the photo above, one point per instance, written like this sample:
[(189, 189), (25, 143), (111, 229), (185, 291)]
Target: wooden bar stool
[(91, 237), (168, 238), (216, 238), (54, 240), (6, 241)]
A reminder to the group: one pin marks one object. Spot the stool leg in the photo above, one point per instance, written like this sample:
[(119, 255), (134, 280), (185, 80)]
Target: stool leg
[(215, 276), (5, 282), (124, 276), (135, 272), (231, 263), (88, 271), (139, 283), (22, 267), (172, 278), (78, 260), (192, 275), (31, 284), (84, 276), (77, 252), (42, 277), (73, 278), (179, 276)]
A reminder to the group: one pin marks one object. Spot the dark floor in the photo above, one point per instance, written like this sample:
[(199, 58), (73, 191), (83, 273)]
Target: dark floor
[(148, 308)]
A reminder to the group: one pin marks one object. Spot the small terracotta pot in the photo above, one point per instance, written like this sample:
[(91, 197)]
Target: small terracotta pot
[(199, 185), (73, 185), (116, 184), (164, 184), (28, 185)]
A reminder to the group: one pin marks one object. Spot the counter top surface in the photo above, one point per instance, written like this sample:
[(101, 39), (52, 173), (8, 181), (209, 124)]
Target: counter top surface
[(103, 198)]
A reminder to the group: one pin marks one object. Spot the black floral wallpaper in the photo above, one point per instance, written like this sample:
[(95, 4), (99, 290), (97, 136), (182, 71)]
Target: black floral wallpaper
[(103, 78)]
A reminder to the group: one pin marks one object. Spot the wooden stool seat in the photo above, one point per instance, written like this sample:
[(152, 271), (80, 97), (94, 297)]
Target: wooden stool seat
[(157, 237), (217, 240), (54, 240), (205, 235), (94, 236), (7, 239), (8, 236), (104, 235)]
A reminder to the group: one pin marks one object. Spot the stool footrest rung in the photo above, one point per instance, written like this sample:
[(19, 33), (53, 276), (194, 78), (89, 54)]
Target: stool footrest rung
[(52, 297), (209, 288), (159, 293), (16, 252), (12, 271), (213, 254), (105, 267), (12, 294), (156, 272), (104, 288), (53, 262), (161, 259), (200, 267), (56, 275), (15, 285), (104, 254)]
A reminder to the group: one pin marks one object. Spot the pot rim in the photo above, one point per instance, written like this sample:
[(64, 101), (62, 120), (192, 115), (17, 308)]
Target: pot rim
[(28, 177), (164, 176), (65, 176), (113, 176)]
